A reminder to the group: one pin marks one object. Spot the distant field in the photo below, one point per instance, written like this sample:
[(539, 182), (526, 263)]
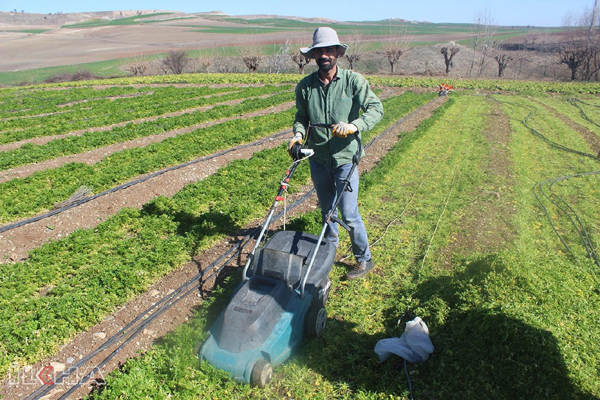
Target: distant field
[(138, 19)]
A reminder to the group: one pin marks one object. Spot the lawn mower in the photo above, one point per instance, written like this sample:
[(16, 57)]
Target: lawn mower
[(281, 298)]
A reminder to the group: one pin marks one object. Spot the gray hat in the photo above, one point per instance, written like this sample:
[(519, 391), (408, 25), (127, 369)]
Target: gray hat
[(323, 37)]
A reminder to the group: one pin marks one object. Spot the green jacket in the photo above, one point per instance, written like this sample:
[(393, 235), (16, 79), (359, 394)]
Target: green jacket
[(342, 101)]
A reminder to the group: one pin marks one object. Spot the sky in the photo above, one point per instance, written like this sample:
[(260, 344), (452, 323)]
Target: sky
[(541, 13)]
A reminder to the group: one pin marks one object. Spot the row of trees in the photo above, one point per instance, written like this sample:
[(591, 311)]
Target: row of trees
[(581, 52)]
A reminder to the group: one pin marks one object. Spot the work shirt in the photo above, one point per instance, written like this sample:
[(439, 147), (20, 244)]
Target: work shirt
[(340, 101)]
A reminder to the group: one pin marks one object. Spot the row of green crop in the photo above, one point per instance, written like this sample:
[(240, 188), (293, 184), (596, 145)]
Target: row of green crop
[(24, 197), (27, 101), (584, 111), (106, 112), (30, 153), (20, 198), (426, 82), (343, 362), (54, 293), (516, 322)]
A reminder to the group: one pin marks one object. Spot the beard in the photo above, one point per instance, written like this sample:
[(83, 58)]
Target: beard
[(325, 64)]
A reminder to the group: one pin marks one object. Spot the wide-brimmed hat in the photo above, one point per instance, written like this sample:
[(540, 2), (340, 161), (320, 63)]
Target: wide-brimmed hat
[(323, 37)]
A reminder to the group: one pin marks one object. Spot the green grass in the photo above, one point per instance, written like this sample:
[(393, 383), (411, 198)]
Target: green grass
[(110, 68), (101, 112), (123, 255), (135, 20), (513, 321), (518, 323), (32, 31)]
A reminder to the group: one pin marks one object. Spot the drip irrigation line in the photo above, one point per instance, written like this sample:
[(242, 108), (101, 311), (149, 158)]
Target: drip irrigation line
[(415, 192), (574, 101), (571, 214), (568, 211), (161, 307), (137, 181), (437, 225), (384, 133), (129, 332), (539, 186), (583, 234), (559, 146), (410, 391)]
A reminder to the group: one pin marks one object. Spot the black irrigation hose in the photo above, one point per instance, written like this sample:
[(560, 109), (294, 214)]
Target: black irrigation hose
[(582, 232), (574, 101), (173, 168), (550, 142), (162, 306), (167, 302), (570, 213), (135, 182)]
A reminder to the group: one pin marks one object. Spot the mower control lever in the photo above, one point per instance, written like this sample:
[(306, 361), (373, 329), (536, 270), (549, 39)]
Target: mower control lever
[(299, 152), (339, 221)]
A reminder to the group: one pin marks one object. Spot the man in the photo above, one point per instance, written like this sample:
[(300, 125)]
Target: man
[(332, 95)]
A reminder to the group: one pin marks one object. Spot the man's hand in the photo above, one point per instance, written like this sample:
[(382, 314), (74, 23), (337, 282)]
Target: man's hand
[(297, 139), (344, 129)]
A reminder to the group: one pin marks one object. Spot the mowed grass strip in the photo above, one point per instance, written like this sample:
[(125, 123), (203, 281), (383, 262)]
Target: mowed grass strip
[(31, 153), (54, 293)]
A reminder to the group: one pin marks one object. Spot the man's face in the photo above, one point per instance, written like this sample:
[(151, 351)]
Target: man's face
[(326, 57)]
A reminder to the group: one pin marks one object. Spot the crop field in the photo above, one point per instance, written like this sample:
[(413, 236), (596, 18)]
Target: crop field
[(482, 210)]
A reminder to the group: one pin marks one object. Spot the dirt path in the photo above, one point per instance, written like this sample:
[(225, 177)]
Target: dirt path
[(85, 342)]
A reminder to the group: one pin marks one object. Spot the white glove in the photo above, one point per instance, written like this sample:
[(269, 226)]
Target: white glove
[(344, 129), (296, 139)]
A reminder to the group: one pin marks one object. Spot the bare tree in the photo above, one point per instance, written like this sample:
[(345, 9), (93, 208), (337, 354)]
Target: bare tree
[(206, 62), (300, 61), (298, 58), (395, 46), (582, 54), (503, 60), (483, 42), (449, 53), (138, 65), (252, 55), (356, 48), (176, 61), (223, 62), (573, 57)]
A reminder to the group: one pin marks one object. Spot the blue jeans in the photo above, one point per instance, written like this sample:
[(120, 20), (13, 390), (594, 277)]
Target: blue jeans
[(328, 183)]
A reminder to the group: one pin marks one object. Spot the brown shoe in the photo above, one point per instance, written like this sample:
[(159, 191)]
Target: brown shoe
[(360, 269)]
